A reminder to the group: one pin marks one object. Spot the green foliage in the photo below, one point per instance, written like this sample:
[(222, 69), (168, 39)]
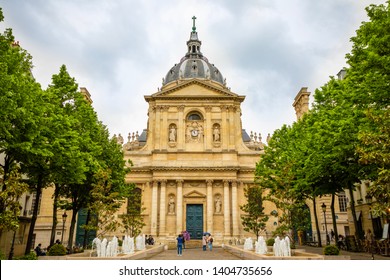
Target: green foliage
[(331, 250), (57, 250), (270, 242), (31, 256), (2, 256), (13, 189), (133, 221), (255, 219)]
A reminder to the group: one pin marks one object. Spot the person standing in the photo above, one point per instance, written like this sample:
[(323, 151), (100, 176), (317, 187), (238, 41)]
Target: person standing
[(210, 242), (204, 242), (180, 242)]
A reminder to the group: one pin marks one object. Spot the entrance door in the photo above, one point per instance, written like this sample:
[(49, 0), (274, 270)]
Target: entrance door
[(194, 220)]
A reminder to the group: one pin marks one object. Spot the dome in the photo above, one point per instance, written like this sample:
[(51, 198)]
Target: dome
[(194, 64)]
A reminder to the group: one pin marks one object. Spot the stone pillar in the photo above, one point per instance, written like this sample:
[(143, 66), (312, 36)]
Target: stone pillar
[(226, 208), (164, 128), (181, 128), (234, 208), (153, 227), (232, 128), (179, 209), (224, 128), (162, 231), (157, 134), (208, 129), (210, 206)]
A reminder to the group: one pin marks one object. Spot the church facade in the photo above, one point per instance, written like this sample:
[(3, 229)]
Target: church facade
[(194, 160)]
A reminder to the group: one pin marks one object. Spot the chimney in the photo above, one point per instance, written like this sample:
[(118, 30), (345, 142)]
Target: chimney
[(341, 74), (301, 102)]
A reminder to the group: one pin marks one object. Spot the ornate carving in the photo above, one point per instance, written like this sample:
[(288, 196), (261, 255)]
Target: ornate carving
[(171, 204), (194, 132), (218, 204)]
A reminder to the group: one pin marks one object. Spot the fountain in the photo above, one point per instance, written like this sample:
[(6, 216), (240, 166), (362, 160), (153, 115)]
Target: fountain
[(140, 242), (282, 247), (128, 245), (248, 245), (105, 248), (261, 246)]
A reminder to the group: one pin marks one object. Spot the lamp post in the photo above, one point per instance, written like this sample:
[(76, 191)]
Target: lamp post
[(64, 216), (323, 206)]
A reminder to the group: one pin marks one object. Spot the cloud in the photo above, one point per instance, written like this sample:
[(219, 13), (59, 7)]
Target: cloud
[(120, 50)]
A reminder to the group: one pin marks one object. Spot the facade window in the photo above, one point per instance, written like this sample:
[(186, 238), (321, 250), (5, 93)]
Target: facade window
[(342, 202), (194, 117)]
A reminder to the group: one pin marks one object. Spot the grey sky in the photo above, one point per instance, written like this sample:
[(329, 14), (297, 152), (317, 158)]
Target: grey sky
[(120, 50)]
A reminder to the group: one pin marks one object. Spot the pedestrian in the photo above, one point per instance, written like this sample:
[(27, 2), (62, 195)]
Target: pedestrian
[(210, 242), (332, 235), (204, 242), (369, 240), (38, 250), (180, 242)]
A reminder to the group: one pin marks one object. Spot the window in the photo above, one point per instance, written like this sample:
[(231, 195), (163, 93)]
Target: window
[(342, 202), (194, 117)]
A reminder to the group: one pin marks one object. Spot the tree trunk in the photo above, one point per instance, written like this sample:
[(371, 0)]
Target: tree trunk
[(34, 217), (54, 220), (71, 230), (316, 220), (353, 211), (336, 234)]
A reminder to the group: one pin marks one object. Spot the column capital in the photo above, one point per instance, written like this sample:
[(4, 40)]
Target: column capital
[(180, 181), (209, 182), (163, 182)]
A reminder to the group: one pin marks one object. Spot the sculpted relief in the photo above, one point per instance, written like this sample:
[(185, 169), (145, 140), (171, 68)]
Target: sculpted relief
[(194, 132)]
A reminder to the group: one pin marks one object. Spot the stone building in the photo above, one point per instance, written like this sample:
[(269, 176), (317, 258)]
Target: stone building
[(194, 160)]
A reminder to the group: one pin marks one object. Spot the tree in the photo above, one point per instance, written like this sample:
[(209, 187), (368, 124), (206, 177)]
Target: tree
[(368, 77), (132, 220), (255, 219)]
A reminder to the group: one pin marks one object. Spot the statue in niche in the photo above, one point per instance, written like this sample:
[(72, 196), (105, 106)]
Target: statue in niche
[(171, 205), (216, 134), (218, 204), (172, 134)]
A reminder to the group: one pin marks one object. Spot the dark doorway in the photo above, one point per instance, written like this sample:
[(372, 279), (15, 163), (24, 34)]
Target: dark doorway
[(194, 220)]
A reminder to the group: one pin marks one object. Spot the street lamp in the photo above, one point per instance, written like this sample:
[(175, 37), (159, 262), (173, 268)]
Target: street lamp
[(323, 206), (64, 216)]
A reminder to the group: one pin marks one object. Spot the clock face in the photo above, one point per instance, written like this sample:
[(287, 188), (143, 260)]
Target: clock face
[(194, 133)]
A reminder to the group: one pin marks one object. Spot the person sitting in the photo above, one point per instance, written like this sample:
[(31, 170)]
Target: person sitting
[(150, 240), (38, 250)]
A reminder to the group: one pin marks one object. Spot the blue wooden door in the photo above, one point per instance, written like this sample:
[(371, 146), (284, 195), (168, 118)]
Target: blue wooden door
[(194, 220)]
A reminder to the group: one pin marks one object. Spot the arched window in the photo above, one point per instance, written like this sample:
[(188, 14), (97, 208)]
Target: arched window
[(194, 117)]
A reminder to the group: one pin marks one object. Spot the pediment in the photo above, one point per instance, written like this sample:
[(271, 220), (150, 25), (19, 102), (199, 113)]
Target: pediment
[(194, 194), (195, 88)]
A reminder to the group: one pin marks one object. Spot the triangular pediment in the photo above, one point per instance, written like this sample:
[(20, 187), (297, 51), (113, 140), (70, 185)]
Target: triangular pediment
[(195, 88), (194, 194)]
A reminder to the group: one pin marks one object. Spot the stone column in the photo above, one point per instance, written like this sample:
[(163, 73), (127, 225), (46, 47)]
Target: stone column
[(164, 129), (181, 128), (179, 205), (232, 128), (157, 134), (234, 208), (162, 230), (210, 206), (208, 129), (224, 128), (226, 208), (153, 227)]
